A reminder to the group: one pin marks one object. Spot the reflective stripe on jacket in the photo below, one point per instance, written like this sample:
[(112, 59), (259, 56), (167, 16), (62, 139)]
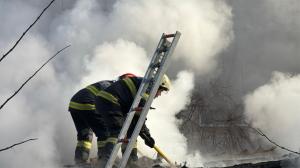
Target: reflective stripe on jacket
[(80, 106), (85, 98), (131, 86), (92, 89), (124, 91), (107, 96)]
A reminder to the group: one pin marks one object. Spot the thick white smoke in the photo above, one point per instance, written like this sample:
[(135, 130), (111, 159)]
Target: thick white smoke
[(32, 113), (105, 43), (164, 125), (205, 26), (113, 59), (274, 109)]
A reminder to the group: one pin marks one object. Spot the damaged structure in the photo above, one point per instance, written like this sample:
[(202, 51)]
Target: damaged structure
[(214, 124)]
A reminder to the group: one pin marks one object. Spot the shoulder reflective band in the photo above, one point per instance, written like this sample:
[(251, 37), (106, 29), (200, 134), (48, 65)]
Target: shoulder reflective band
[(85, 144), (79, 106), (108, 97), (93, 89), (131, 86)]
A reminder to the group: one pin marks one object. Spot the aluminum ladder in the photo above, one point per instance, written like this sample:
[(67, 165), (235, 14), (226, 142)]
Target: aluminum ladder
[(149, 85)]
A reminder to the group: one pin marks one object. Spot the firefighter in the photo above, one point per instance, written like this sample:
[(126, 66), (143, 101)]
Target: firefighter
[(82, 107), (114, 103), (87, 121)]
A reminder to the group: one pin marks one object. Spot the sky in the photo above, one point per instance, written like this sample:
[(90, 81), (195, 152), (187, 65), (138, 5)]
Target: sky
[(252, 45)]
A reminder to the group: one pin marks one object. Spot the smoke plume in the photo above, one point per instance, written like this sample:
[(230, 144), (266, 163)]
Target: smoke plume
[(274, 109)]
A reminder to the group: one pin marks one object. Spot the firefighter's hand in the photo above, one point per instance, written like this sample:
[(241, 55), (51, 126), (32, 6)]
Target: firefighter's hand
[(149, 141)]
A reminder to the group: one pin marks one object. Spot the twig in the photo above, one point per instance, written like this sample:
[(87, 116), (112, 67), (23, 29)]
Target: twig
[(33, 76), (264, 135), (27, 30), (17, 144)]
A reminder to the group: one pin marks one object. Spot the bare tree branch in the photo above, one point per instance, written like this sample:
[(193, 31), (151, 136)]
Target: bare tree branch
[(27, 30), (264, 135), (17, 144), (33, 76)]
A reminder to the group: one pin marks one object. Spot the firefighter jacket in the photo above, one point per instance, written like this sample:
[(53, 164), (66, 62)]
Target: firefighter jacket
[(120, 95), (84, 99)]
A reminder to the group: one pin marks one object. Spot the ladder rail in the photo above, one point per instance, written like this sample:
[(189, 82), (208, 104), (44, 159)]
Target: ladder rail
[(161, 71)]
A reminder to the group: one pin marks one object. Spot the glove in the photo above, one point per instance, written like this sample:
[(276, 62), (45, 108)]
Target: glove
[(145, 134), (149, 141)]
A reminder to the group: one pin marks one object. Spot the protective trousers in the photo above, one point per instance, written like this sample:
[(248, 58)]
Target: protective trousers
[(115, 120), (87, 122)]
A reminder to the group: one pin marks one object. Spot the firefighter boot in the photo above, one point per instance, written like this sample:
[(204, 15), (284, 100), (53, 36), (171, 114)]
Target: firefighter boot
[(84, 145), (133, 158), (104, 154), (81, 156), (133, 155)]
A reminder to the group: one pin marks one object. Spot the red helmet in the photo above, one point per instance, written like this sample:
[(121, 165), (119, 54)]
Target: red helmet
[(127, 75)]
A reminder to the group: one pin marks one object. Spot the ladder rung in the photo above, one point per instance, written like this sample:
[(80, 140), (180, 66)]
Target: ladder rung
[(123, 140), (163, 49), (169, 35), (165, 46), (156, 65)]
